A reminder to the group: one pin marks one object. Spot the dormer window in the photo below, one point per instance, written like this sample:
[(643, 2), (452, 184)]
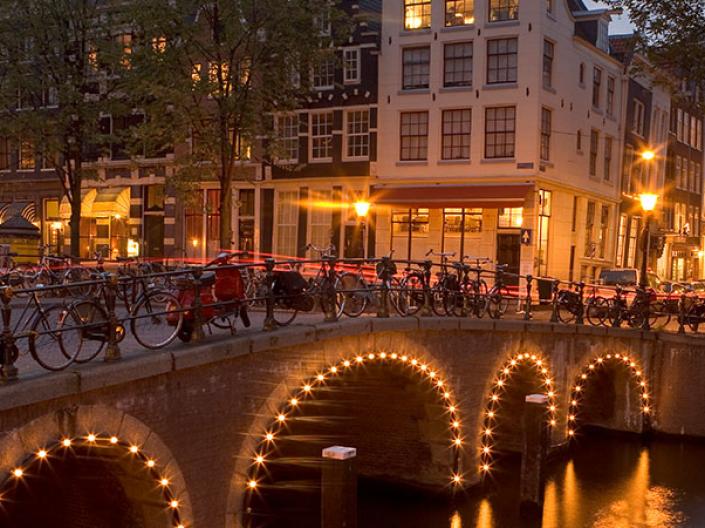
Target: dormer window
[(603, 39)]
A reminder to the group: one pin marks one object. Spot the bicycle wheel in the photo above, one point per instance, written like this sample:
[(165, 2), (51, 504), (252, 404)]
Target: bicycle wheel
[(49, 350), (566, 312), (453, 302), (497, 304), (74, 275), (616, 313), (411, 294), (438, 299), (659, 317), (156, 319), (694, 316), (355, 293), (84, 330), (597, 311)]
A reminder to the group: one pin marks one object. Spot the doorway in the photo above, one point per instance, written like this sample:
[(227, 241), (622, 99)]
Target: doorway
[(509, 253), (352, 244), (153, 236)]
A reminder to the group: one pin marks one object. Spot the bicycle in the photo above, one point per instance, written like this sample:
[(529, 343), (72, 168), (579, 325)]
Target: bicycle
[(359, 292), (55, 270), (498, 296), (447, 285)]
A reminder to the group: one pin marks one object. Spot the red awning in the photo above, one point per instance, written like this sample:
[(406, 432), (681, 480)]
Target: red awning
[(447, 196)]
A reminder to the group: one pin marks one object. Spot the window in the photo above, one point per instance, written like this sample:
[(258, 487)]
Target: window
[(510, 217), (125, 44), (607, 175), (589, 223), (357, 133), (604, 231), (582, 73), (5, 157), (454, 220), (287, 222), (621, 238), (324, 74), (351, 66), (321, 219), (410, 220), (456, 134), (596, 87), (504, 10), (594, 145), (322, 136), (500, 130), (502, 60), (611, 85), (414, 136), (545, 134), (579, 140), (457, 64), (26, 155), (159, 44), (460, 12), (246, 220), (545, 204), (417, 14), (288, 132), (548, 51), (638, 118), (416, 68), (153, 198), (549, 6), (603, 39)]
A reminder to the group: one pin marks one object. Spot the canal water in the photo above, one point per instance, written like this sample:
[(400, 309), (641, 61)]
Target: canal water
[(607, 481)]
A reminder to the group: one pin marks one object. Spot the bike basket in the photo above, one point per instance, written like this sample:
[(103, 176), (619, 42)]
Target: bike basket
[(288, 283), (229, 285), (569, 297)]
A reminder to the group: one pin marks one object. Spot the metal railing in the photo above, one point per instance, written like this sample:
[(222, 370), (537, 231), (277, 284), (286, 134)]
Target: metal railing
[(57, 328)]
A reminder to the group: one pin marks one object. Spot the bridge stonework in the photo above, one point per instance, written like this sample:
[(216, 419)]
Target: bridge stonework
[(201, 411)]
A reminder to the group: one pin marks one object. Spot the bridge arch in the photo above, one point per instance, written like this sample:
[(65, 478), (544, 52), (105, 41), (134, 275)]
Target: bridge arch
[(521, 374), (90, 464), (264, 449), (596, 371)]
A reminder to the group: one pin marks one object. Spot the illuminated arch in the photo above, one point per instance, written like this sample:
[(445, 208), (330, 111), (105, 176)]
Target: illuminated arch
[(499, 385), (33, 446), (421, 368), (637, 375)]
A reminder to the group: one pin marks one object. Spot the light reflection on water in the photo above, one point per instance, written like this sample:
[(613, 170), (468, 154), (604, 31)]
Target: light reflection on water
[(609, 482)]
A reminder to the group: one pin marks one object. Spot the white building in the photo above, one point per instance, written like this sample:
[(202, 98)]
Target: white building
[(502, 116)]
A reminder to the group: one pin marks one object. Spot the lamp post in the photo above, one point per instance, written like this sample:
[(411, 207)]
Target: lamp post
[(362, 209), (648, 204)]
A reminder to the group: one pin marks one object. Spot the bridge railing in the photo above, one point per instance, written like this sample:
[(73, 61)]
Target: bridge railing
[(56, 326)]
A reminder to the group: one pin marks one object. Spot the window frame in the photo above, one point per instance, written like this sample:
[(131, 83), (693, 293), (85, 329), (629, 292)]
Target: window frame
[(594, 151), (497, 133), (346, 134), (420, 147), (545, 150), (462, 59), (494, 61), (296, 126), (425, 17), (597, 74), (465, 137), (454, 13), (510, 7), (417, 63), (313, 138), (638, 118), (358, 65), (548, 59)]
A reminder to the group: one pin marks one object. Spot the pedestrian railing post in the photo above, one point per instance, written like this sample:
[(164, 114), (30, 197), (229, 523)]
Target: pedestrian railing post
[(197, 308), (385, 278), (426, 310), (579, 316), (527, 306), (645, 308), (269, 321), (9, 352), (112, 352), (681, 314), (554, 307), (328, 295)]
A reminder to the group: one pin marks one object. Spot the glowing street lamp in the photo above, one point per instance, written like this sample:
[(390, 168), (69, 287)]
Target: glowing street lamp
[(648, 155), (648, 201), (362, 209), (648, 204)]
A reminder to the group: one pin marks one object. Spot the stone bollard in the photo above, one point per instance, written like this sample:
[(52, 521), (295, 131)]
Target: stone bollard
[(533, 459), (339, 488)]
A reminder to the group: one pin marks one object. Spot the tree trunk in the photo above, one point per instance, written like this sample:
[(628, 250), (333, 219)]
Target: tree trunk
[(75, 221), (226, 213)]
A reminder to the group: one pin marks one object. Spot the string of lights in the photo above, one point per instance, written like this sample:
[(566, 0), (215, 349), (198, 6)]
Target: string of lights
[(32, 464), (499, 386), (428, 374), (578, 391)]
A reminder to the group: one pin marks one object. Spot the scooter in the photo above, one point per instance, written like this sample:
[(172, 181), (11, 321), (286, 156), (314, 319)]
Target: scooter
[(222, 287)]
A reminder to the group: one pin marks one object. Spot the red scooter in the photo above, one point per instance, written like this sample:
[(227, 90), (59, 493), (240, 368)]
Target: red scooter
[(224, 286)]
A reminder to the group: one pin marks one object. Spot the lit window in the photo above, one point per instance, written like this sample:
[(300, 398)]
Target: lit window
[(322, 136), (357, 133), (460, 12), (504, 10), (415, 221), (159, 44), (453, 221), (287, 214), (511, 217), (417, 14)]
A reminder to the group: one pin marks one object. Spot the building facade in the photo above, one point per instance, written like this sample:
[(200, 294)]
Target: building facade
[(501, 126)]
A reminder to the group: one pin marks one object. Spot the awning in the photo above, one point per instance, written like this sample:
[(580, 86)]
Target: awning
[(452, 196), (26, 210), (87, 197), (112, 201)]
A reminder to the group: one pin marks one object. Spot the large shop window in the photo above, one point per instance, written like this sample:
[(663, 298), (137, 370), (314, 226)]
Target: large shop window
[(414, 220), (287, 223), (545, 206), (321, 219), (246, 220), (511, 217), (453, 221)]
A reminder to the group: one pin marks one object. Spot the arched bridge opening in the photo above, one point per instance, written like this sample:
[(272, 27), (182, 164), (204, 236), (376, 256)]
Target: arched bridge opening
[(396, 410)]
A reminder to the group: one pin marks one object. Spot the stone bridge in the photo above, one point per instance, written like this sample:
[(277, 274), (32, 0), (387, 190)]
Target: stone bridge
[(216, 434)]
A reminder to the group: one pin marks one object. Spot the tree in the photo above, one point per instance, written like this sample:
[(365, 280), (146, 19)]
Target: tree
[(213, 73), (671, 34), (58, 64)]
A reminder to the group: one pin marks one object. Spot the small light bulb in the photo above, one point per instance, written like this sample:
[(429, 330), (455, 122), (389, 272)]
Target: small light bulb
[(609, 356), (446, 395), (452, 408), (269, 437), (643, 384), (574, 402), (113, 440), (500, 383), (458, 442), (591, 366), (552, 408), (359, 359), (456, 424), (414, 361), (281, 418), (600, 360), (66, 442), (513, 362), (488, 432), (405, 358), (91, 438), (506, 371), (252, 484), (571, 432), (646, 409), (490, 414), (457, 479), (578, 388), (551, 394), (423, 368), (346, 363), (486, 450), (533, 357), (42, 454), (395, 355), (294, 402), (645, 396), (18, 472), (432, 374), (134, 449), (370, 356), (259, 459), (320, 377), (495, 397), (583, 376), (553, 423), (520, 357), (383, 355), (174, 504), (571, 417), (164, 481), (485, 467), (439, 383), (544, 371), (150, 463), (334, 370), (539, 362), (307, 388)]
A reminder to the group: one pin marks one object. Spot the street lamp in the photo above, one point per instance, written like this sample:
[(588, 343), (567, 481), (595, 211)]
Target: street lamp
[(648, 155), (362, 209), (648, 204)]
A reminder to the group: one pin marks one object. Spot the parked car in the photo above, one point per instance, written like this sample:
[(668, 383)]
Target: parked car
[(627, 277)]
